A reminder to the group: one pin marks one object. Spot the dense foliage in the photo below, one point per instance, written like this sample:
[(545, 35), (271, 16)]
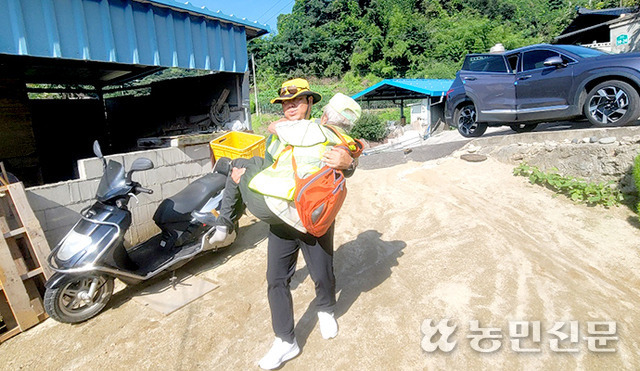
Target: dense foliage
[(348, 45), (636, 178), (405, 38), (579, 190)]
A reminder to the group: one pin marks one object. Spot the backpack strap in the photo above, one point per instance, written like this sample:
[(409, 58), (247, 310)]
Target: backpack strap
[(288, 147), (356, 143), (295, 169)]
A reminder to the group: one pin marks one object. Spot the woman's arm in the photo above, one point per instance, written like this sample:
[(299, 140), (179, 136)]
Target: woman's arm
[(272, 126), (340, 159)]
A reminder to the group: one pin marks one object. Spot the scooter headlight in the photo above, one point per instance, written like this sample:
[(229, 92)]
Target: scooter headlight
[(73, 244)]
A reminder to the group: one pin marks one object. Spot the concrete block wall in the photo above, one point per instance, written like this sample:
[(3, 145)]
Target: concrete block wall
[(57, 206)]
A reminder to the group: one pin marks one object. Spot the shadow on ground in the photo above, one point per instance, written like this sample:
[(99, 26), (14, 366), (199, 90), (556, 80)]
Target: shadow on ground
[(360, 266), (249, 236)]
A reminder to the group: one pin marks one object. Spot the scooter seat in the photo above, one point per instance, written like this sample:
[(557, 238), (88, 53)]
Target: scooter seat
[(178, 207)]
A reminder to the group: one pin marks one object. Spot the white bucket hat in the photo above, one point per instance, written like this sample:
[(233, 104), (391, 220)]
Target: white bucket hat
[(346, 106)]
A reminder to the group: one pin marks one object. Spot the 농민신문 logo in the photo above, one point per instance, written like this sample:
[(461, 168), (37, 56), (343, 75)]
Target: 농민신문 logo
[(522, 336)]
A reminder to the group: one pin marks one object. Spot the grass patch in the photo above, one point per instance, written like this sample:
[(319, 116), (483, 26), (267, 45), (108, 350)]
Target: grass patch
[(636, 179), (577, 189), (259, 124)]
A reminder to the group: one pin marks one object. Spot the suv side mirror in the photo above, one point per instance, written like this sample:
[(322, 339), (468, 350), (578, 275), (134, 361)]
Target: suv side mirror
[(555, 61), (139, 164)]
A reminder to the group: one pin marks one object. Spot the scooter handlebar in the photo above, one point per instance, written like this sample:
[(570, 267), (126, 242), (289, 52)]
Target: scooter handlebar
[(144, 190)]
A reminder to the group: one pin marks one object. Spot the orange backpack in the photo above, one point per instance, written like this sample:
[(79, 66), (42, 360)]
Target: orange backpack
[(318, 198)]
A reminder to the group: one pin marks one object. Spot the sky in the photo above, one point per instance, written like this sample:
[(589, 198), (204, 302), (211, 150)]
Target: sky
[(263, 11)]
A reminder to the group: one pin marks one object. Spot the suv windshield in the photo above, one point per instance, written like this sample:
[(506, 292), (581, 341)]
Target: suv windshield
[(484, 63), (113, 178), (583, 52)]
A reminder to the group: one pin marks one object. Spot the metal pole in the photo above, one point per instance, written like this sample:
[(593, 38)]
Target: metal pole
[(255, 83), (103, 104)]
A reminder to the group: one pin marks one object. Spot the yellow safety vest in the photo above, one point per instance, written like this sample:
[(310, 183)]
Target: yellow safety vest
[(277, 180)]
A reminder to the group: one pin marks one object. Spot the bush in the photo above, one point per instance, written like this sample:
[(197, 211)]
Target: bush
[(577, 189), (389, 114), (636, 178), (369, 127)]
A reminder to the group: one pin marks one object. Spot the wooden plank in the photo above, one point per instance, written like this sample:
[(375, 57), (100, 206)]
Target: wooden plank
[(15, 232), (15, 290), (7, 210), (31, 274), (32, 225), (4, 226), (7, 314), (9, 334)]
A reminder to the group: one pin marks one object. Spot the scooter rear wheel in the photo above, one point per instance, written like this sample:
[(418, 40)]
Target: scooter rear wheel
[(68, 301)]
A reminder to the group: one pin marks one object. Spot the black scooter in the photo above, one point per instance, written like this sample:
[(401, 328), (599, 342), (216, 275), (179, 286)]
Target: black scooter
[(92, 254)]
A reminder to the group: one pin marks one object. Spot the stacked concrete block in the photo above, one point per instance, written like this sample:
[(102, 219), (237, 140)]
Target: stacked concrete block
[(57, 206)]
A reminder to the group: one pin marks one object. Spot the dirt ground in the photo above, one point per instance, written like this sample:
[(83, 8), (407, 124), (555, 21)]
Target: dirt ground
[(434, 240)]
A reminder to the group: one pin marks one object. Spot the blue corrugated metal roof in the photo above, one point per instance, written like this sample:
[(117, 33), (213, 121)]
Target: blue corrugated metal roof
[(161, 33), (611, 11), (431, 87), (188, 7)]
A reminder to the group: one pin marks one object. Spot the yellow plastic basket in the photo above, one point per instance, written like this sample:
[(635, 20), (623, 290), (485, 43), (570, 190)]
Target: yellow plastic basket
[(236, 144)]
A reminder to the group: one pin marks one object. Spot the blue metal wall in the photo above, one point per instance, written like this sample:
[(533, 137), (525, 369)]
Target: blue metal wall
[(121, 31)]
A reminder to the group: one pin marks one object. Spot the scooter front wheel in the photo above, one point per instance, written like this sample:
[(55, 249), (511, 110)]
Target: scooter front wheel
[(72, 301)]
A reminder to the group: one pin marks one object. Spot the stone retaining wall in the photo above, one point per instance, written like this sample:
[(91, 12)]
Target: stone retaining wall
[(57, 205), (596, 158)]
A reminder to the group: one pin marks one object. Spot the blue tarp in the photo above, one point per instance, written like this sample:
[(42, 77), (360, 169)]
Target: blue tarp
[(386, 88)]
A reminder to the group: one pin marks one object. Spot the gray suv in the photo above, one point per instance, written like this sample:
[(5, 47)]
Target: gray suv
[(538, 83)]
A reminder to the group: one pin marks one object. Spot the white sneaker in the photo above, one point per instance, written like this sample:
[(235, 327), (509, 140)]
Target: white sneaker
[(280, 352), (221, 237), (328, 325)]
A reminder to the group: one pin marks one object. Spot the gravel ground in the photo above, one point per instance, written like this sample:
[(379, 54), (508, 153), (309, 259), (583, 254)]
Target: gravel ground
[(441, 239)]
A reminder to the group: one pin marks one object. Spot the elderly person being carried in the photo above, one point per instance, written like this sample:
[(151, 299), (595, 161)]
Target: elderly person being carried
[(266, 187)]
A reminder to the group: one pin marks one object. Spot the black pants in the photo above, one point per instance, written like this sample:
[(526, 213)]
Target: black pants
[(282, 254), (283, 246), (236, 195)]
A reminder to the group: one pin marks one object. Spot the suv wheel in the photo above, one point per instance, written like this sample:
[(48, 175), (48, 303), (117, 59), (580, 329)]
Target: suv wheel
[(523, 128), (612, 103), (465, 119)]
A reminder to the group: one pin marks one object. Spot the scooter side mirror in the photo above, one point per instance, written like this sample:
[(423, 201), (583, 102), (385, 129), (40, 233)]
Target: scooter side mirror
[(98, 152), (96, 149), (139, 164)]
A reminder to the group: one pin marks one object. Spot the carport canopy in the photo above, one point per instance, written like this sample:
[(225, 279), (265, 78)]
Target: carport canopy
[(404, 89), (110, 42), (399, 90)]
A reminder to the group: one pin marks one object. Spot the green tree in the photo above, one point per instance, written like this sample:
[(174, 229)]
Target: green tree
[(406, 38)]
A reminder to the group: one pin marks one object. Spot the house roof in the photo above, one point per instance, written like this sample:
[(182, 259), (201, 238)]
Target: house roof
[(607, 12), (253, 28), (106, 42), (393, 89), (591, 24)]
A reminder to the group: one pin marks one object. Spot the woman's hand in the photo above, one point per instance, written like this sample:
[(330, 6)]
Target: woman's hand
[(337, 159), (272, 126), (237, 173)]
